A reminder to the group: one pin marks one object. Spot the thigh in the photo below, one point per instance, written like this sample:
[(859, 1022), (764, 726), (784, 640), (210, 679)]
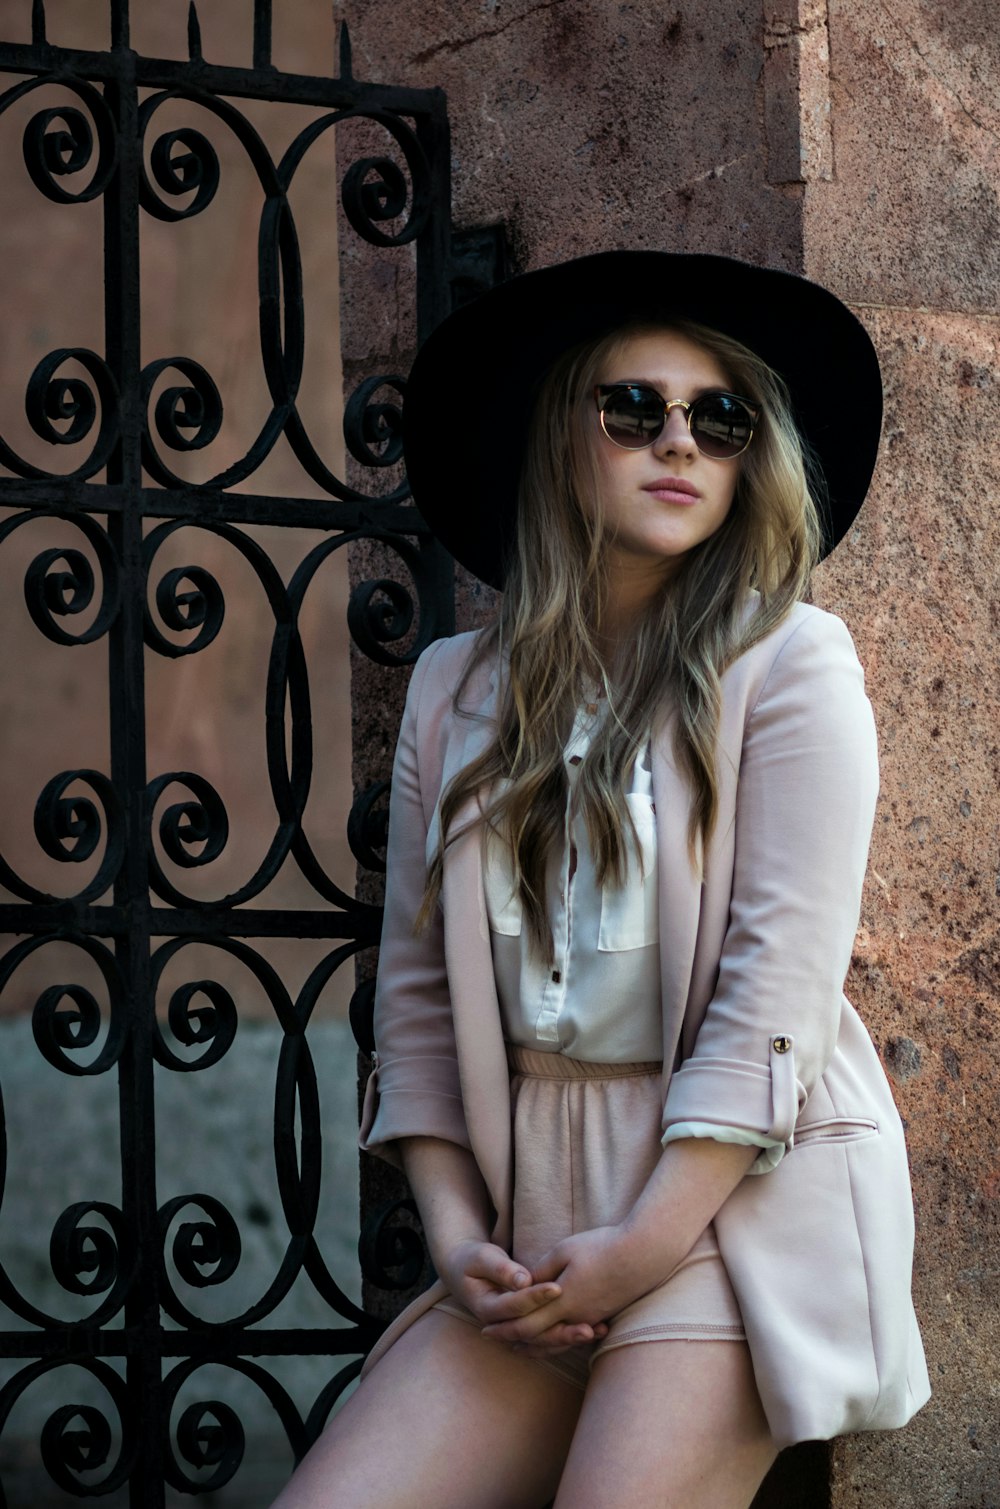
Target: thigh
[(669, 1425), (444, 1421)]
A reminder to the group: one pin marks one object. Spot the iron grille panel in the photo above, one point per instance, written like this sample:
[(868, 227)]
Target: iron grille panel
[(125, 497)]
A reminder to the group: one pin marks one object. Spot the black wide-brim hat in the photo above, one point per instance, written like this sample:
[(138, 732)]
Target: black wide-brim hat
[(472, 388)]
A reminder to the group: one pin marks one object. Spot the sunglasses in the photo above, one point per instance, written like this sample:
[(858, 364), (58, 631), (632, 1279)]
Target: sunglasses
[(633, 416)]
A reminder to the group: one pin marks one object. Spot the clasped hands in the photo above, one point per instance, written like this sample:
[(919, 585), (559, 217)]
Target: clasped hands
[(564, 1301)]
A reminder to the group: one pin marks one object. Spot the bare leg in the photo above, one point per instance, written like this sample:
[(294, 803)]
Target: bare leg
[(669, 1425), (446, 1420)]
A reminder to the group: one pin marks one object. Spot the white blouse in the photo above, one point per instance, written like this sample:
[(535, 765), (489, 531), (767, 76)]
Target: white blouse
[(598, 998)]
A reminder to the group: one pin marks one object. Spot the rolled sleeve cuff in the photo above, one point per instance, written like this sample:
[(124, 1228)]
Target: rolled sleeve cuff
[(393, 1109), (760, 1100), (771, 1154)]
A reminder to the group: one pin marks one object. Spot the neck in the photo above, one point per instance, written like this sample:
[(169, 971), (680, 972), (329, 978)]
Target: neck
[(628, 596)]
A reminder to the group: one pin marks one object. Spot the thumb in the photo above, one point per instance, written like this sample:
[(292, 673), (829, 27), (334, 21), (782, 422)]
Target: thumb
[(549, 1267), (499, 1268)]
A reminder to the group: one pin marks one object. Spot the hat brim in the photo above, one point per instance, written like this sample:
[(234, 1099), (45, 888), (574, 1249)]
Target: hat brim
[(472, 387)]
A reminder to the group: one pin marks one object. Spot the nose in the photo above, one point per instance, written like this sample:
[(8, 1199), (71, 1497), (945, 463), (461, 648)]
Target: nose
[(675, 438)]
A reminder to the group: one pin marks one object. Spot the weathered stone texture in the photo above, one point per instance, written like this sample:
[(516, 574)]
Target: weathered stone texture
[(911, 216), (907, 231), (584, 125), (917, 582)]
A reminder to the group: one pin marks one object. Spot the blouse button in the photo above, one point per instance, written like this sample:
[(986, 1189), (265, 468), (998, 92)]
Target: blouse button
[(781, 1044)]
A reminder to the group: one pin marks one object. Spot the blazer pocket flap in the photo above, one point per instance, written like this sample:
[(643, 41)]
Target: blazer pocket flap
[(836, 1129)]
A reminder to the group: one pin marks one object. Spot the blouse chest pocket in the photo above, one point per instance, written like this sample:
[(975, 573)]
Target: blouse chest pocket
[(629, 914), (503, 904)]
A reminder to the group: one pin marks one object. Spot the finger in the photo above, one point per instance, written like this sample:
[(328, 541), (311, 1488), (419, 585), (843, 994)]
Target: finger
[(494, 1265), (565, 1334), (497, 1306), (526, 1327), (556, 1339)]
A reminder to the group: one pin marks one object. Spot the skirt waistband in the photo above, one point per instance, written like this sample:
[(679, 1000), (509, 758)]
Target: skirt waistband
[(535, 1065)]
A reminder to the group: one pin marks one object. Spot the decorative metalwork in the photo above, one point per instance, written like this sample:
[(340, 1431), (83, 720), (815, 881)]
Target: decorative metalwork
[(141, 835)]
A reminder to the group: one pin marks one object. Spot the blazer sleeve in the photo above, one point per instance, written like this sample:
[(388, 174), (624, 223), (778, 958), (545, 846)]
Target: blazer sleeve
[(414, 1086), (805, 804)]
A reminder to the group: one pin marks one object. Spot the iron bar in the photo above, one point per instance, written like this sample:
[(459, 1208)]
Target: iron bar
[(219, 79), (255, 922), (207, 505)]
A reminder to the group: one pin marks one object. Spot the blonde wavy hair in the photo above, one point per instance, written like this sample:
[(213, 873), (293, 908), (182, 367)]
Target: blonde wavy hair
[(548, 631)]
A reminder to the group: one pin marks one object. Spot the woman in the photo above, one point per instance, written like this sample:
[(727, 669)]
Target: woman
[(659, 1168)]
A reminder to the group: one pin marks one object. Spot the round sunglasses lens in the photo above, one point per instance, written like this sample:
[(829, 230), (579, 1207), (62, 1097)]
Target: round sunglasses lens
[(633, 417), (721, 426)]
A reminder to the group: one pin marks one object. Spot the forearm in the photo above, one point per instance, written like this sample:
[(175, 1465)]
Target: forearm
[(450, 1194), (601, 1271), (455, 1212), (692, 1180)]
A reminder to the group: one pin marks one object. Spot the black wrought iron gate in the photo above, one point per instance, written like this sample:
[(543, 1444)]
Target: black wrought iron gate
[(126, 501)]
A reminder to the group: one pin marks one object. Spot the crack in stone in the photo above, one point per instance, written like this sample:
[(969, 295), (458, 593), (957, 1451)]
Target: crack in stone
[(989, 315), (715, 172), (484, 36), (779, 33), (949, 89)]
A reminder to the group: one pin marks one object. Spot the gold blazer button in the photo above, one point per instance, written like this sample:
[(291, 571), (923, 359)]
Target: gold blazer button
[(781, 1044)]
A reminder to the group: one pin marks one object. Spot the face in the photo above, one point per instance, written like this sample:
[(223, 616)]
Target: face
[(662, 501)]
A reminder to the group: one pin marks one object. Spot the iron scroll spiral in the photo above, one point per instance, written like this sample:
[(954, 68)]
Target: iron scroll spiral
[(69, 828), (76, 1439), (201, 1015), (59, 142), (194, 832), (375, 191), (52, 594), (50, 398), (187, 417), (195, 169), (60, 1032), (368, 425), (391, 1252), (209, 1435), (86, 1259), (206, 1251)]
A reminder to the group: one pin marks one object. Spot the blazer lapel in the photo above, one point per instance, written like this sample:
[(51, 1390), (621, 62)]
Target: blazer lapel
[(679, 888), (482, 1057)]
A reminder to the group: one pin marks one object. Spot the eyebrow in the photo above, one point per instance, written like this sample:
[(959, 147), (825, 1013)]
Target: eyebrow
[(647, 382)]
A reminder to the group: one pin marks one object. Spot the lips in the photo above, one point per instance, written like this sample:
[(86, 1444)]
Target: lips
[(672, 490)]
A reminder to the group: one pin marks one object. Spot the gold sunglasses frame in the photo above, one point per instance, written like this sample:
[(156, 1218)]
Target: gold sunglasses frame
[(604, 391)]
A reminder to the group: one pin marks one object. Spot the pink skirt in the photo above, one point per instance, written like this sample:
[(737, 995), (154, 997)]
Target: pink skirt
[(586, 1139)]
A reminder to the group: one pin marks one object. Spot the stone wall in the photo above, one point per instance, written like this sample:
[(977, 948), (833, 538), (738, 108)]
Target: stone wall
[(857, 145), (906, 230)]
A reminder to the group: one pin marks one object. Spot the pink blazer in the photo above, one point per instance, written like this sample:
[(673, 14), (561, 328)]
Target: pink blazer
[(756, 1029)]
